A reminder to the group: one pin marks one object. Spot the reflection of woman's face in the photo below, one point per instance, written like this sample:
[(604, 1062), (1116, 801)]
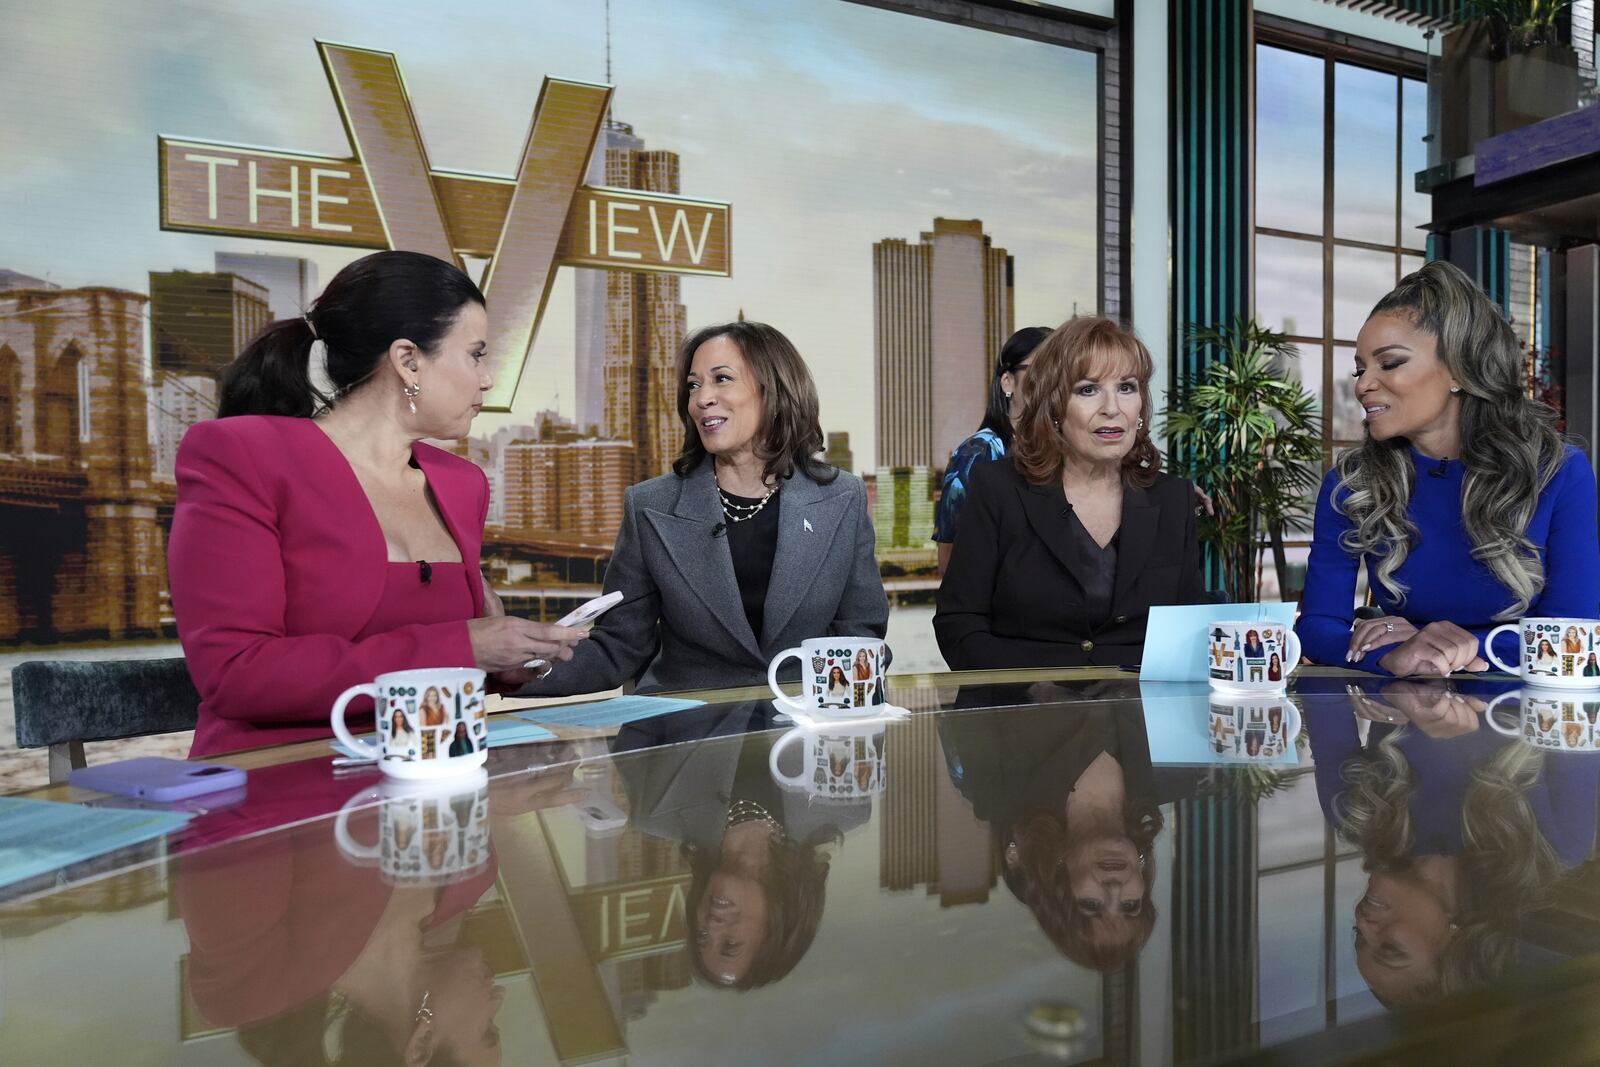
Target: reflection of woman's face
[(1106, 880), (730, 923), (1402, 929)]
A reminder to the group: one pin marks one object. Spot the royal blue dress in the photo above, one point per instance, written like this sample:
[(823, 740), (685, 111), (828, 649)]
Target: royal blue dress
[(984, 446), (1445, 583)]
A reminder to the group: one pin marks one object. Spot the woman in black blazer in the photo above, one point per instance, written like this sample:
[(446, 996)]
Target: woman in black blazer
[(1061, 552)]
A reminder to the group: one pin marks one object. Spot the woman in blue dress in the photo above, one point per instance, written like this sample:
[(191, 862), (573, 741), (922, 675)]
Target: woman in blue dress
[(1463, 502), (992, 439)]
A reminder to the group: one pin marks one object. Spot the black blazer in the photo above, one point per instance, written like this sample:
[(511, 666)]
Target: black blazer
[(1010, 597)]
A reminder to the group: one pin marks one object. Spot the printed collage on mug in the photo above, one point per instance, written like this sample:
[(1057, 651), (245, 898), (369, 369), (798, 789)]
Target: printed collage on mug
[(1558, 724), (847, 678), (438, 835), (439, 724), (848, 766), (1249, 730), (1255, 656), (1561, 651)]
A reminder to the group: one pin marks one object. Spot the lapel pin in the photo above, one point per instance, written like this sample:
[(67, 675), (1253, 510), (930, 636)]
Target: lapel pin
[(808, 525)]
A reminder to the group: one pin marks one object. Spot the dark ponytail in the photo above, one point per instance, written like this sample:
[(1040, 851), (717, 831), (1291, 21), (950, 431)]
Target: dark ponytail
[(370, 304), (1018, 347)]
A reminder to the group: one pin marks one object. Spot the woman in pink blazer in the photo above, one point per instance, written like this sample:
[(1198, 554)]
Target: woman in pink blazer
[(317, 541)]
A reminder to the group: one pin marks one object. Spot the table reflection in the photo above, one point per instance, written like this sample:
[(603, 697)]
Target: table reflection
[(1463, 832)]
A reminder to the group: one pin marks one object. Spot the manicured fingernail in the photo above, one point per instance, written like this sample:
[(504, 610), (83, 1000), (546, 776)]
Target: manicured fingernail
[(1366, 648)]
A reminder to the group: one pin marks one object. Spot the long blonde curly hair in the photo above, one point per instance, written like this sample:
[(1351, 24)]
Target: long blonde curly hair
[(1509, 444)]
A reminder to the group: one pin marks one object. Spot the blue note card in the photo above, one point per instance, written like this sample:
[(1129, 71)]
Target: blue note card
[(602, 714), (1175, 642), (40, 836), (1190, 724), (503, 730)]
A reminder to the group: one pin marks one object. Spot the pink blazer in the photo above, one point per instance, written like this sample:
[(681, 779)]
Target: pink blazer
[(276, 562)]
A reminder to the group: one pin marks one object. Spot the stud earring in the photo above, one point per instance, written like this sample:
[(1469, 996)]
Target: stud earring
[(1140, 424), (1455, 388), (1008, 396), (413, 391)]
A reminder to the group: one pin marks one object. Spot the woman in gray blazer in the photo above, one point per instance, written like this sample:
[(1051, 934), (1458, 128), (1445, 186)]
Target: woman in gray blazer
[(748, 547)]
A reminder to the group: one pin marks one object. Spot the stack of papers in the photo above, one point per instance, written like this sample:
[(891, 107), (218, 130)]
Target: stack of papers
[(40, 836), (603, 714)]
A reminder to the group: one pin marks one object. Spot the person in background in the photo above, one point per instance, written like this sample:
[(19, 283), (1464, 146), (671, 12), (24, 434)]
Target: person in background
[(750, 545), (991, 441), (1462, 502), (1063, 549), (317, 541)]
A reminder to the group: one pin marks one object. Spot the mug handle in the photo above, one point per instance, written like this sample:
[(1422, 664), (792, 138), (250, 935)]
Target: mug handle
[(1488, 647), (1291, 639), (1488, 714), (340, 730), (772, 679), (772, 759), (341, 829), (1291, 722)]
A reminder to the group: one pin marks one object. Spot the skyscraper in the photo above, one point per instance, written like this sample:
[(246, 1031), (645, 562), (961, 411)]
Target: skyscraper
[(200, 321), (902, 510), (644, 322), (290, 282), (569, 487), (590, 336), (942, 309), (177, 402)]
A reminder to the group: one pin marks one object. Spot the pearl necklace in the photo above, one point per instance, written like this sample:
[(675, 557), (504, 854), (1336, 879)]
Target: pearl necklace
[(741, 512)]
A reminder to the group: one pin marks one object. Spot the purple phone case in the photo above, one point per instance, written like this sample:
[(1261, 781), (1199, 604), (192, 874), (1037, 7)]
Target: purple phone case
[(158, 778)]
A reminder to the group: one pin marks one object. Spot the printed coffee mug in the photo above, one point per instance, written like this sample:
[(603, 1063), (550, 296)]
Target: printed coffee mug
[(429, 833), (432, 723), (1260, 728), (1251, 656), (1556, 653), (839, 676), (834, 764), (1555, 723)]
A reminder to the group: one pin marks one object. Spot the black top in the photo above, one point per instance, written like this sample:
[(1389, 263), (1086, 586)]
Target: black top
[(1022, 591), (1097, 570), (753, 543)]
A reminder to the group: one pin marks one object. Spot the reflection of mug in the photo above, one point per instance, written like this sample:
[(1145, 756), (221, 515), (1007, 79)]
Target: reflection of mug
[(1253, 728), (430, 722), (846, 675), (1554, 653), (429, 833), (1550, 722), (834, 765), (1251, 656)]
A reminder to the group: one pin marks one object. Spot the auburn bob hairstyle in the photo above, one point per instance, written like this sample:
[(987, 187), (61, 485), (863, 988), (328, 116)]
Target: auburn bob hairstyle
[(1081, 349)]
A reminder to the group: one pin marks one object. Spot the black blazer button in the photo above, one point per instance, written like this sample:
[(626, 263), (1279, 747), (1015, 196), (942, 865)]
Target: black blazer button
[(1120, 618), (1087, 646)]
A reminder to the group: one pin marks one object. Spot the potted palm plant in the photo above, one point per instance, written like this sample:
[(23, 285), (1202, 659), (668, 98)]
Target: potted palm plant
[(1251, 436)]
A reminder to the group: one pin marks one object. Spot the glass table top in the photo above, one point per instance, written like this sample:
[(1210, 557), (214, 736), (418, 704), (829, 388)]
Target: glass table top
[(1028, 867)]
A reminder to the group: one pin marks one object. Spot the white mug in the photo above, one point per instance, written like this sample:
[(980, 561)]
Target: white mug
[(1251, 657), (1259, 728), (1552, 721), (839, 676), (842, 764), (432, 723), (1554, 653), (429, 833)]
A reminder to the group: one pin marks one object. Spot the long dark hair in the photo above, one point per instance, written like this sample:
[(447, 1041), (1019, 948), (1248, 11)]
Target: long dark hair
[(791, 435), (1018, 347), (368, 305), (1509, 444)]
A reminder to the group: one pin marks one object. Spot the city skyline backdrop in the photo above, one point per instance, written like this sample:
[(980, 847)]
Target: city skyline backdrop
[(843, 120)]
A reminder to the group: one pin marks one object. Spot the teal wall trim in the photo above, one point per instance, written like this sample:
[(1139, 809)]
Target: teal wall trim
[(1212, 156), (1211, 54), (1213, 911)]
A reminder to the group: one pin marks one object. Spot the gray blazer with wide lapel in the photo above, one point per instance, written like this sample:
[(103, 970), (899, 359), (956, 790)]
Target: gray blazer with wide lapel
[(682, 624)]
